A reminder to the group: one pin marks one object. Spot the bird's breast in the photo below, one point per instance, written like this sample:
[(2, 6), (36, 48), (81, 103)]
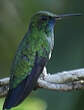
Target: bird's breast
[(50, 40)]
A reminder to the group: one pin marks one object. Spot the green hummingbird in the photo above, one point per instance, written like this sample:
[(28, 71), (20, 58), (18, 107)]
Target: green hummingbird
[(32, 57)]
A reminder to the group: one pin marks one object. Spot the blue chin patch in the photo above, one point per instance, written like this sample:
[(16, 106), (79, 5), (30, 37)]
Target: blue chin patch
[(51, 24)]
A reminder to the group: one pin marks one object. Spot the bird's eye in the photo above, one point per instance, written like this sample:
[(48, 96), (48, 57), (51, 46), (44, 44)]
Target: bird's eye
[(43, 18)]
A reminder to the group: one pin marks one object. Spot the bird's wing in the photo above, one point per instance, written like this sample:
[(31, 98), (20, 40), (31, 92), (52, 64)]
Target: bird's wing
[(18, 94)]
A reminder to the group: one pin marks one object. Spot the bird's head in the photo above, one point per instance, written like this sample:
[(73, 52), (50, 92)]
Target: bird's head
[(44, 20)]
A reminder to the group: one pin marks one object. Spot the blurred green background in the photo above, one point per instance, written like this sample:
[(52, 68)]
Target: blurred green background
[(68, 51)]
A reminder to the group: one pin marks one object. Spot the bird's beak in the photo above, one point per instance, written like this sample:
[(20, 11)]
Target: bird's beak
[(59, 17)]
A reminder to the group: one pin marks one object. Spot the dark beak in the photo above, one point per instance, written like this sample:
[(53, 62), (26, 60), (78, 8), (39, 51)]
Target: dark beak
[(59, 17)]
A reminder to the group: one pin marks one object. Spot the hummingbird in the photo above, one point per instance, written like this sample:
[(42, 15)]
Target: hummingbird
[(32, 56)]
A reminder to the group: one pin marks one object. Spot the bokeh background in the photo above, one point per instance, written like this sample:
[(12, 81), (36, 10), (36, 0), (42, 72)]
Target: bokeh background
[(68, 51)]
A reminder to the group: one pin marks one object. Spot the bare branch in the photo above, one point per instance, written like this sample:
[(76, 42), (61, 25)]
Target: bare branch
[(4, 81), (66, 76), (77, 85), (62, 81)]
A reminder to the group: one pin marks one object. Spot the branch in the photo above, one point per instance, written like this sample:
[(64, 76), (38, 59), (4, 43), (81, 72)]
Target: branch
[(4, 86), (62, 81)]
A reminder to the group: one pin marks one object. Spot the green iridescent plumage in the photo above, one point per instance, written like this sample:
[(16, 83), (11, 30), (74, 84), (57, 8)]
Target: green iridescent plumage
[(25, 55), (35, 40), (31, 57)]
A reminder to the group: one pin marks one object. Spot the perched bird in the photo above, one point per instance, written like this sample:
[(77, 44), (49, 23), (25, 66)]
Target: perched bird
[(32, 57)]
